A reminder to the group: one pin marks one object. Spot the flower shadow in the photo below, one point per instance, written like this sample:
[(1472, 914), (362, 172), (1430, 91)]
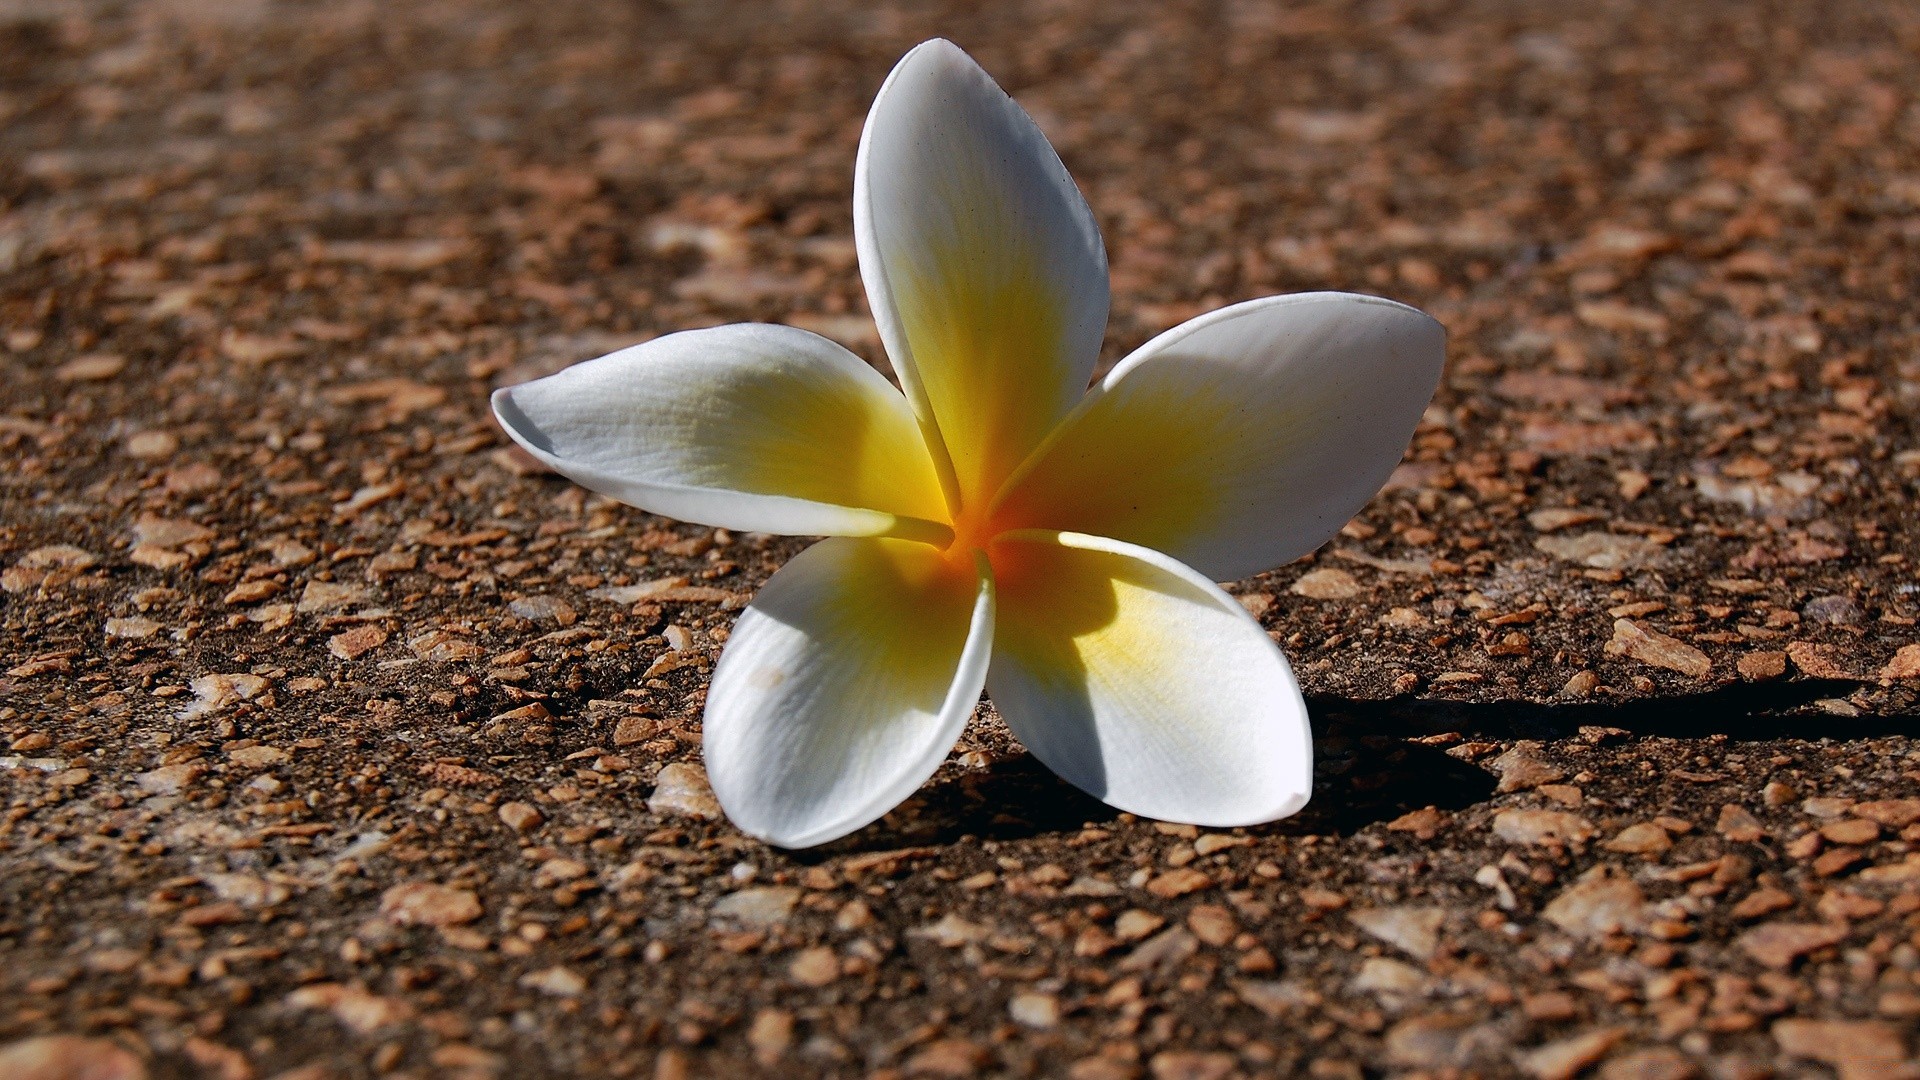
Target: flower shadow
[(1369, 769), (1743, 712)]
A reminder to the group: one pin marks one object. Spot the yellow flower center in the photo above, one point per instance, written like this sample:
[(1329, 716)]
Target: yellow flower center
[(973, 530)]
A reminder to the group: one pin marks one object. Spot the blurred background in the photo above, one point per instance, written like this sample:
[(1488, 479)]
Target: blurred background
[(1671, 244)]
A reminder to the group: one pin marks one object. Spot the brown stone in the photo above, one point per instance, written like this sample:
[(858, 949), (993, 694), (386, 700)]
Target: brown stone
[(1837, 861), (521, 817), (948, 1058), (323, 596), (1321, 899), (681, 790), (1550, 1006), (1738, 824), (251, 592), (357, 642), (1164, 950), (1135, 923), (558, 870), (635, 729), (814, 967), (1276, 998), (1553, 519), (1521, 768), (1632, 640), (1442, 1040), (258, 757), (1179, 882), (1779, 944), (1854, 830), (1414, 930), (1857, 1049), (1591, 439), (1603, 902), (1652, 1063), (215, 692), (770, 1035), (428, 904), (1760, 903), (355, 1008), (93, 367), (1099, 1067), (1424, 823), (1906, 870), (1844, 905), (1212, 924), (1567, 1058), (1034, 1009), (1904, 665), (1327, 583), (952, 931), (556, 982), (246, 890), (439, 647), (1601, 550), (1581, 685), (544, 609), (1191, 1065), (132, 629), (1818, 661), (1645, 838), (1893, 813), (1522, 826), (69, 1057), (170, 779), (758, 907)]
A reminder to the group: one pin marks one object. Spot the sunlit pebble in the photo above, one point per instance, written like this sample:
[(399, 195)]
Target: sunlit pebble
[(743, 872), (1034, 1010), (49, 1056), (94, 367), (133, 628), (152, 445), (815, 967)]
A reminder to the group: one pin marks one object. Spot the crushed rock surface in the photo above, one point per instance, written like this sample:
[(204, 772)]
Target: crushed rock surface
[(341, 741)]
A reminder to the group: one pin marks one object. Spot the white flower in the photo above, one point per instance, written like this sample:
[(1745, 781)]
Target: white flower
[(999, 524)]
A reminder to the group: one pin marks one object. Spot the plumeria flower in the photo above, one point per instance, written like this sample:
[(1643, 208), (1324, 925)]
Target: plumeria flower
[(998, 524)]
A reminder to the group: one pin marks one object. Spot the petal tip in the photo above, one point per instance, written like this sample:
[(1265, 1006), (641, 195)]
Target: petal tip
[(514, 420), (938, 49), (522, 428)]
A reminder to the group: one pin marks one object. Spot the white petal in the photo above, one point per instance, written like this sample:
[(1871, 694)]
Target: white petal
[(1243, 439), (1140, 682), (844, 685), (982, 262), (752, 427)]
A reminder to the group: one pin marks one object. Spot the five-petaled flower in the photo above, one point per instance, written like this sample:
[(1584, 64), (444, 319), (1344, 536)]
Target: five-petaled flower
[(999, 525)]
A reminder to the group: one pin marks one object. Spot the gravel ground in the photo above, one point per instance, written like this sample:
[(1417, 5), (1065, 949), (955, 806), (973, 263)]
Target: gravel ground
[(344, 742)]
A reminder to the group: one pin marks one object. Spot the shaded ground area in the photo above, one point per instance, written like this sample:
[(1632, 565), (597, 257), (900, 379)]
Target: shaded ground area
[(344, 743)]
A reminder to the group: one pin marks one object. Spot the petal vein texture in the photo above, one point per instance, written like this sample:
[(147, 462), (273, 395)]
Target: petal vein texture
[(752, 427), (1143, 684), (983, 264), (1243, 439), (844, 685)]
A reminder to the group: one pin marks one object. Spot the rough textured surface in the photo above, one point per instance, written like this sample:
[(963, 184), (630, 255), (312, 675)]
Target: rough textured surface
[(1613, 686)]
